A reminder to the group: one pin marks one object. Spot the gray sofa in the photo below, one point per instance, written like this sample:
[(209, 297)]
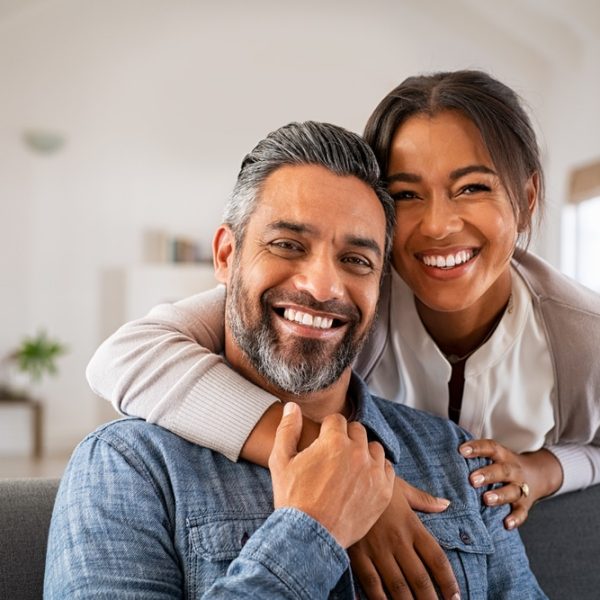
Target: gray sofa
[(562, 537)]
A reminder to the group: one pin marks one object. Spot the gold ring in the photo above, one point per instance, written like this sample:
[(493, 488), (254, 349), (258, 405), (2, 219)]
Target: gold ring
[(524, 489)]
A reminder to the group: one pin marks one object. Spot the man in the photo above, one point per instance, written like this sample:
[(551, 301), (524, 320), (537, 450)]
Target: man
[(143, 513)]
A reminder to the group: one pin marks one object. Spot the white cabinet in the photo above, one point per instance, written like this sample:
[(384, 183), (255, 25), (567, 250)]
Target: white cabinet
[(149, 285)]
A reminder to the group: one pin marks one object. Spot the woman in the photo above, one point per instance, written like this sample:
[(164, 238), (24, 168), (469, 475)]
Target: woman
[(466, 317)]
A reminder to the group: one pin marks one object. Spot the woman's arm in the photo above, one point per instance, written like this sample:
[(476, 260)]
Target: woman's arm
[(163, 368), (580, 466)]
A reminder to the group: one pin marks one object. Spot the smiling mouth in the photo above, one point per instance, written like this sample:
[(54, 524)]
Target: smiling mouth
[(448, 261), (307, 319)]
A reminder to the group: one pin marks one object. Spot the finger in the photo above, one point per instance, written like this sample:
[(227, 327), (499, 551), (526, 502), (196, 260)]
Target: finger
[(418, 580), (287, 435), (334, 423), (507, 494), (420, 500), (483, 448), (366, 573), (499, 472), (377, 452), (357, 432), (394, 579), (517, 517), (439, 567)]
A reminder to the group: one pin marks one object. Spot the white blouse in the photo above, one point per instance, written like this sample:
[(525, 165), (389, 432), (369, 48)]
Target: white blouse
[(509, 380)]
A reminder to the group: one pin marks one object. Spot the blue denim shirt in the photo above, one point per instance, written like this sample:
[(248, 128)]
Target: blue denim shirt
[(141, 513)]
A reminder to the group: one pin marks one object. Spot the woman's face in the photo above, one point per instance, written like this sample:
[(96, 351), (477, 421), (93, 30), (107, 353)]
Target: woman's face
[(455, 231)]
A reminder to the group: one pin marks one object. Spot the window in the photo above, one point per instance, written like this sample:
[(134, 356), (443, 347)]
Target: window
[(581, 241), (581, 227)]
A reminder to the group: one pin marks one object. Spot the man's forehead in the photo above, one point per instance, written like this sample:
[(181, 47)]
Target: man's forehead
[(311, 199)]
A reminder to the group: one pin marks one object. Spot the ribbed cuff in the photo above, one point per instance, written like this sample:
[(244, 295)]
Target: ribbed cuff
[(578, 472), (220, 411)]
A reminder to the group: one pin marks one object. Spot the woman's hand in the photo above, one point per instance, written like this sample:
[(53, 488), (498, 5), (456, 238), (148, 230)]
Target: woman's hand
[(399, 554), (526, 477)]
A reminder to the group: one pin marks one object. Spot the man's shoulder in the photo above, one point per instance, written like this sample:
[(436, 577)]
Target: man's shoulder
[(138, 441), (408, 421)]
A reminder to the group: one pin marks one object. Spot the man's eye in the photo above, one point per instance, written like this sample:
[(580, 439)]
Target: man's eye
[(286, 246), (358, 263)]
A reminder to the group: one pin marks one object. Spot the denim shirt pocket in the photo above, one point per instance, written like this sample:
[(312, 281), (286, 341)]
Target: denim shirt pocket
[(214, 541), (467, 542)]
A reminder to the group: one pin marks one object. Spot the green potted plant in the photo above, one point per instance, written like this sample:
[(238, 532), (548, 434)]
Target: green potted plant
[(34, 358)]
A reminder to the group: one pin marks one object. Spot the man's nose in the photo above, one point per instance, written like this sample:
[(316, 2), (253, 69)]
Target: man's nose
[(321, 277), (440, 217)]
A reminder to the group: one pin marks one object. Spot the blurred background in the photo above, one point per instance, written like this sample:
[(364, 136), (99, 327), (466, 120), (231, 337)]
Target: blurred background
[(123, 124)]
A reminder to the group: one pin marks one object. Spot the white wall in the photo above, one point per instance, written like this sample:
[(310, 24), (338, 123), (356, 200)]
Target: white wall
[(160, 99)]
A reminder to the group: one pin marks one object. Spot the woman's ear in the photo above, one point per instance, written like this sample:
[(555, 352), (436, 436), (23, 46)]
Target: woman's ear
[(532, 190), (223, 251)]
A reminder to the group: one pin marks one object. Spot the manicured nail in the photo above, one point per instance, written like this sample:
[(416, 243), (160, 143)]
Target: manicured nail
[(478, 479), (491, 498), (444, 502), (466, 451), (510, 524), (289, 408), (456, 596)]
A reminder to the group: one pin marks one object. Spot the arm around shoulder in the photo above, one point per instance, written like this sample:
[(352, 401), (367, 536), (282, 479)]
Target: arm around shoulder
[(164, 368)]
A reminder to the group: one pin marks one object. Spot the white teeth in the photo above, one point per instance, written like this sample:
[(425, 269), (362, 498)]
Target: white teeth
[(306, 319), (447, 262)]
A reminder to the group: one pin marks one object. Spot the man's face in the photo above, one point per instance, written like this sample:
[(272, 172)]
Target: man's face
[(303, 288)]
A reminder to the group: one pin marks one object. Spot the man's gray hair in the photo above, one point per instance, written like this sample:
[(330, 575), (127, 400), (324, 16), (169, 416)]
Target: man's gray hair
[(311, 143)]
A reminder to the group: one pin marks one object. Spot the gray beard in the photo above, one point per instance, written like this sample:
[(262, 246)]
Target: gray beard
[(303, 366)]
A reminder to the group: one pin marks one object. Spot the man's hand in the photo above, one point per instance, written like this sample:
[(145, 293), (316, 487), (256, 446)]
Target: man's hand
[(526, 477), (341, 480), (399, 554)]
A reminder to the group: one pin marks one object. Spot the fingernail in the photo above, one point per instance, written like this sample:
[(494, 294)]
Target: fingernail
[(491, 498), (510, 524), (477, 479), (456, 596), (444, 502), (466, 451), (288, 408)]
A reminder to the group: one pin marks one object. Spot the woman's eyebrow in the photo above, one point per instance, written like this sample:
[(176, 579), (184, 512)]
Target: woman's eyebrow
[(404, 177), (458, 173)]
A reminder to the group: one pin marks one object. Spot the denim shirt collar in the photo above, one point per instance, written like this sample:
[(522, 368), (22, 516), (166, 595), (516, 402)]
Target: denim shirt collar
[(370, 416)]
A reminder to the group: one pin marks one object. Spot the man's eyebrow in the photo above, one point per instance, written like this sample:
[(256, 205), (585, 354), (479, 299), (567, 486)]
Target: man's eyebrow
[(364, 242), (291, 226)]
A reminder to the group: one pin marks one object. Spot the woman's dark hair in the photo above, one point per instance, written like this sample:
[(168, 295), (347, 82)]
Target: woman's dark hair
[(493, 107)]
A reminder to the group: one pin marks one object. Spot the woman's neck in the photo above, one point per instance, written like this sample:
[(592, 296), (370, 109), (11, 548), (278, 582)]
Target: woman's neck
[(462, 332)]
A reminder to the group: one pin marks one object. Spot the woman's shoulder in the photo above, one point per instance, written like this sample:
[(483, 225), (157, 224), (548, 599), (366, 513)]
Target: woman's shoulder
[(549, 286)]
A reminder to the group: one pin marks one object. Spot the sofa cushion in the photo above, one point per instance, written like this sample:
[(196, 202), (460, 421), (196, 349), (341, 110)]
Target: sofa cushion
[(25, 511)]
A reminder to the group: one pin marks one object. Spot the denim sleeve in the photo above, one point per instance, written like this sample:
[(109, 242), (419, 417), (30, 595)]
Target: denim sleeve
[(290, 556), (110, 535), (509, 575)]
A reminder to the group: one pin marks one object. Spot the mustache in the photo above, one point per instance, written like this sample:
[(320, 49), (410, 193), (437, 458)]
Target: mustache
[(344, 309)]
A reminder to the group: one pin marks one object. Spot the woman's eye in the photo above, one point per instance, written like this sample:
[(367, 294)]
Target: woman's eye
[(474, 188), (403, 195)]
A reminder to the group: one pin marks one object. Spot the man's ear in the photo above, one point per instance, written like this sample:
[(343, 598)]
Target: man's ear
[(223, 251)]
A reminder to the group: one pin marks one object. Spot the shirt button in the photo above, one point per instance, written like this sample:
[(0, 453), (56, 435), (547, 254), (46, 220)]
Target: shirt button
[(465, 537)]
